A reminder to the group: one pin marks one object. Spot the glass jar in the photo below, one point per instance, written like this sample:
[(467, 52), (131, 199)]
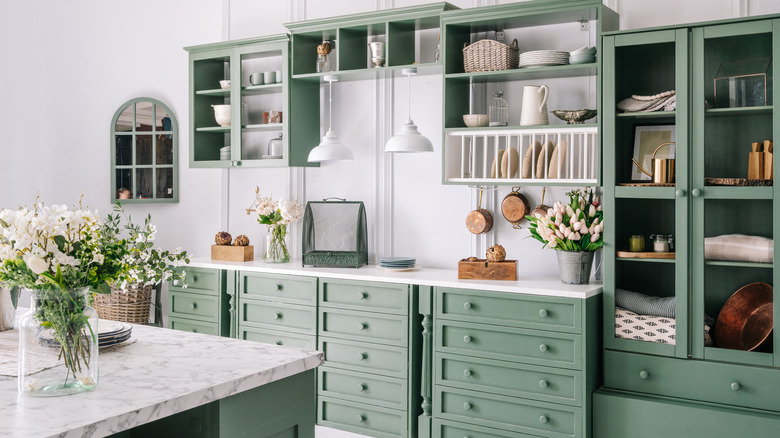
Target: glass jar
[(636, 243), (498, 112), (58, 343), (323, 62), (276, 245), (662, 242)]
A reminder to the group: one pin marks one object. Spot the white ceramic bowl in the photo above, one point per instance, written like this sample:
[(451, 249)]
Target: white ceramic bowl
[(222, 114), (475, 120), (224, 84)]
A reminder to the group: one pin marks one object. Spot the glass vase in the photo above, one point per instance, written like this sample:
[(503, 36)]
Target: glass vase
[(276, 245), (58, 343)]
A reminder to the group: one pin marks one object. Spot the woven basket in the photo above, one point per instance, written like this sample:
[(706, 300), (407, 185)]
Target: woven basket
[(129, 305), (490, 55)]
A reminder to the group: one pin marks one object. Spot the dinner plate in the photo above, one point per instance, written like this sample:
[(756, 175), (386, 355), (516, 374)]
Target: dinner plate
[(410, 268), (114, 341), (107, 327), (542, 64)]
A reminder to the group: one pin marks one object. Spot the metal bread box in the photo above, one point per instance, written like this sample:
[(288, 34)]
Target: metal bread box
[(335, 233)]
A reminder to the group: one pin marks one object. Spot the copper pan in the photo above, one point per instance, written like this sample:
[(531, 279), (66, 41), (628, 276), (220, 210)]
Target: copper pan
[(746, 321)]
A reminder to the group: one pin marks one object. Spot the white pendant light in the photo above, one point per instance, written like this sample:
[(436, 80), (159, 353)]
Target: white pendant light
[(409, 138), (330, 149)]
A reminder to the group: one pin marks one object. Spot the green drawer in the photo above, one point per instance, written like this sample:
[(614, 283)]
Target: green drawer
[(278, 316), (361, 418), (453, 429), (373, 297), (505, 343), (367, 327), (515, 414), (738, 385), (201, 281), (201, 307), (513, 310), (294, 340), (193, 326), (360, 387), (370, 358), (280, 288), (500, 377)]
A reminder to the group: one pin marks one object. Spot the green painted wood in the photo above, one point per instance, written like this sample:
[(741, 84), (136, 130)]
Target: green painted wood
[(738, 356), (277, 316), (425, 16), (373, 73), (200, 281), (278, 288), (737, 29), (360, 356), (206, 299), (608, 151), (199, 422), (200, 307), (361, 418), (657, 116), (278, 337), (415, 364), (389, 392), (400, 43), (776, 204), (425, 305), (716, 192), (194, 326), (515, 414), (525, 14), (365, 326), (509, 309), (592, 351), (626, 415), (695, 24), (534, 347), (454, 429), (365, 296), (230, 316), (561, 71), (352, 48)]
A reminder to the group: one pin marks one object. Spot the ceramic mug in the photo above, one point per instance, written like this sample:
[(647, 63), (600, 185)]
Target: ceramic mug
[(270, 77), (534, 109), (256, 79), (278, 76)]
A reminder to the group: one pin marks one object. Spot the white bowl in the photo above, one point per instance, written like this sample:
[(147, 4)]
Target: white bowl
[(475, 120), (224, 84), (222, 114)]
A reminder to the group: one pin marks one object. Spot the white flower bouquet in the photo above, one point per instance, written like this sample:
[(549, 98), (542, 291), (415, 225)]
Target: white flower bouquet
[(576, 226), (277, 215)]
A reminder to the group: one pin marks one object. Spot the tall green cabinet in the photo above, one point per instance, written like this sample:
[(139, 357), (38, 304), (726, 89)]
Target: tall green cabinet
[(687, 387)]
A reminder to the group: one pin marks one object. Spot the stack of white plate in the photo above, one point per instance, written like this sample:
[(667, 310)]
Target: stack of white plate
[(583, 55), (397, 263), (541, 58), (224, 153), (112, 332)]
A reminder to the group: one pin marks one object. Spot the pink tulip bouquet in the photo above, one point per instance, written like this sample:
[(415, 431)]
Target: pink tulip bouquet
[(576, 226)]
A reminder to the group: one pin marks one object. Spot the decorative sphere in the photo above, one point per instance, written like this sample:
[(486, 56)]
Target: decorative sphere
[(496, 253), (241, 240), (223, 238)]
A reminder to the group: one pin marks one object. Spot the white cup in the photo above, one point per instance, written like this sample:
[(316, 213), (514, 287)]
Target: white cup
[(278, 76), (270, 77), (256, 79)]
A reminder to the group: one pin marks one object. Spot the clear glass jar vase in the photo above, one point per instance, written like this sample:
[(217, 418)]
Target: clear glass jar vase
[(58, 343), (276, 245)]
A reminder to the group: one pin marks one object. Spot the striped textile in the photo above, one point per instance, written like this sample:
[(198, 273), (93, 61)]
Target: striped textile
[(644, 304)]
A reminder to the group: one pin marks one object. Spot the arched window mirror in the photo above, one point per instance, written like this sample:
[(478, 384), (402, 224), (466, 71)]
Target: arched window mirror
[(144, 153)]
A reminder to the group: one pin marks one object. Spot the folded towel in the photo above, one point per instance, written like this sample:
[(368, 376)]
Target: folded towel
[(739, 247), (630, 325), (645, 304), (666, 101)]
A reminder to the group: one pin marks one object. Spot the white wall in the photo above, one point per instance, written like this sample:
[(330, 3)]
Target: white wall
[(67, 66)]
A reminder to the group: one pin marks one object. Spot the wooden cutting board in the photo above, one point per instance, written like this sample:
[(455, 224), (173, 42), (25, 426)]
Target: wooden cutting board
[(645, 255)]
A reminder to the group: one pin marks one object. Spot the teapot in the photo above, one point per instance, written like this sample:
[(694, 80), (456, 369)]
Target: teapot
[(275, 147), (663, 168)]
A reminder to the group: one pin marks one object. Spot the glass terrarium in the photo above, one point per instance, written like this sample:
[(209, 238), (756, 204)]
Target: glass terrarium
[(744, 83), (335, 233)]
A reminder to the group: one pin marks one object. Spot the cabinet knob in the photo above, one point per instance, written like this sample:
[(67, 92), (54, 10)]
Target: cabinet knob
[(735, 386), (543, 383), (467, 372), (543, 419), (277, 315), (543, 348), (278, 287), (195, 278), (363, 356), (643, 374), (234, 163), (363, 295), (680, 193), (279, 342), (467, 406), (194, 330), (362, 387), (543, 313), (467, 339), (696, 193), (194, 306), (361, 418), (363, 325), (467, 305)]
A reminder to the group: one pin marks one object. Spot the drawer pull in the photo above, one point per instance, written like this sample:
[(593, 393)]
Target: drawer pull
[(278, 287), (543, 383), (362, 387), (543, 313), (363, 356), (194, 330), (644, 374), (194, 306), (735, 386), (363, 325), (543, 348), (467, 305), (467, 406), (543, 419), (279, 342), (361, 418), (467, 339), (195, 278), (278, 315), (467, 372), (363, 295)]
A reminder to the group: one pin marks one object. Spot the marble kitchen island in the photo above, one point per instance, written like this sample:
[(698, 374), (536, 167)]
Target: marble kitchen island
[(173, 383)]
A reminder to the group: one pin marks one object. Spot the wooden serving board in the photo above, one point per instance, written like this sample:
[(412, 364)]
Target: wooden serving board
[(233, 253), (645, 255), (647, 184)]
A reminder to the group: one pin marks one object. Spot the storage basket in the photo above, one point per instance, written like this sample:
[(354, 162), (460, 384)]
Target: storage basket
[(490, 55), (129, 305)]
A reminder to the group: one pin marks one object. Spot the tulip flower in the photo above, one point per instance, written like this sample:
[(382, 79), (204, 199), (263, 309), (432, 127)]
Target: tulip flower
[(595, 237)]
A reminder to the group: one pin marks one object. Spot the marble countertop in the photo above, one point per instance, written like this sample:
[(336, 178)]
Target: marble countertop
[(548, 286), (164, 372)]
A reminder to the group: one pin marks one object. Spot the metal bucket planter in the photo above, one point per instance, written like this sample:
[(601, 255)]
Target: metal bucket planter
[(575, 266)]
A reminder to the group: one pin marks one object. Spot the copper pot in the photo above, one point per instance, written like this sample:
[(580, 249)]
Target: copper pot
[(745, 321), (541, 208), (479, 221), (515, 207)]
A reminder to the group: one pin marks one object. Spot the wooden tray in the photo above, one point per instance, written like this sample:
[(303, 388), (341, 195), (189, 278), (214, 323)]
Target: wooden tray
[(645, 255), (741, 182), (232, 253), (485, 270), (647, 184)]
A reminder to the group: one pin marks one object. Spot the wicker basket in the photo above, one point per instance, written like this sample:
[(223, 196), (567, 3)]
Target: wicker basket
[(129, 305), (490, 55)]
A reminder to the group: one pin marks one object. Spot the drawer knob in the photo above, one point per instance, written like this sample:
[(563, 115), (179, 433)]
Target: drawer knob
[(363, 295), (362, 387), (543, 419), (278, 315), (467, 372), (467, 305), (696, 193), (467, 339), (543, 383), (363, 325), (735, 386), (195, 278), (278, 287), (361, 418), (643, 374), (194, 330), (467, 406), (543, 313), (543, 348), (194, 306), (363, 356), (680, 193)]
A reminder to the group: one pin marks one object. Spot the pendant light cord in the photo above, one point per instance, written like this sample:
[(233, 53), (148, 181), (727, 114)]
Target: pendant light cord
[(409, 100), (330, 106)]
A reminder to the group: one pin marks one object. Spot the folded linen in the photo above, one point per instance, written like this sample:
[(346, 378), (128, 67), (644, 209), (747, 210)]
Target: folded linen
[(739, 247), (645, 304), (658, 329)]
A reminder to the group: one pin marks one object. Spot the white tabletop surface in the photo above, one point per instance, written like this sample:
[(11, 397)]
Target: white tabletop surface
[(164, 372), (548, 286)]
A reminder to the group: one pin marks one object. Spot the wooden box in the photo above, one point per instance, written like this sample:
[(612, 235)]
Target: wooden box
[(233, 253), (485, 270)]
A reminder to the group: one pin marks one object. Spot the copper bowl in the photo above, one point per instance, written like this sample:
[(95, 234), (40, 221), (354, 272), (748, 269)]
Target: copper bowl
[(746, 321)]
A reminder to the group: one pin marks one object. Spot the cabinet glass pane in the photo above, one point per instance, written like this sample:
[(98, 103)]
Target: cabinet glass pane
[(124, 183), (124, 150), (143, 149), (164, 182), (164, 149), (728, 143), (738, 71), (143, 186), (124, 123)]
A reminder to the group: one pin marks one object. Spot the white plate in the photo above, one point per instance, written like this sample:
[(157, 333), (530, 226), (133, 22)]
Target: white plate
[(397, 269), (270, 157), (542, 64)]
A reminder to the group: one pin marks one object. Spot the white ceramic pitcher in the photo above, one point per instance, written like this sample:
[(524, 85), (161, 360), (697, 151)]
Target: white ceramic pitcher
[(534, 109)]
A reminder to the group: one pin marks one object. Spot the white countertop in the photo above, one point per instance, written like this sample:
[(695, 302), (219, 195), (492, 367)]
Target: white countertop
[(164, 372), (548, 286)]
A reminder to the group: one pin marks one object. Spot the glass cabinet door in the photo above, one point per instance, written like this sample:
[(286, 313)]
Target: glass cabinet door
[(645, 255), (733, 204)]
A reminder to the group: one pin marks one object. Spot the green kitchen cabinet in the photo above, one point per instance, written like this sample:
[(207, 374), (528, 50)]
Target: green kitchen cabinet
[(712, 137), (513, 365), (250, 130), (536, 25), (205, 304)]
